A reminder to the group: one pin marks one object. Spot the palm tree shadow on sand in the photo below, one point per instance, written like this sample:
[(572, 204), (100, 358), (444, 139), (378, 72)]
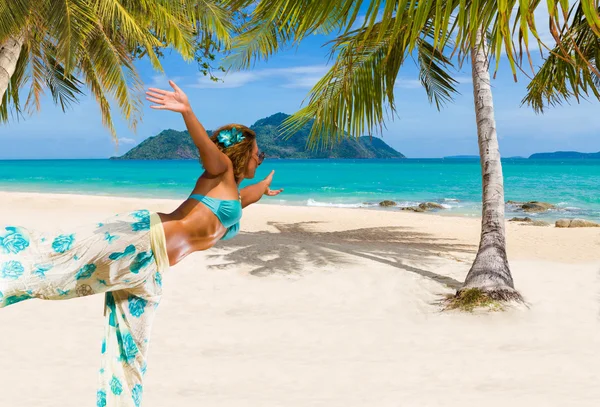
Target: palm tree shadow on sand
[(296, 245)]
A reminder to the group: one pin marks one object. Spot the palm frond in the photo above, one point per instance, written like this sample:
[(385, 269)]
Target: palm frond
[(172, 23), (65, 88), (113, 69), (352, 96), (72, 42), (92, 79), (570, 71), (213, 20), (37, 72), (68, 22), (434, 74), (276, 24), (261, 40), (130, 24), (13, 16)]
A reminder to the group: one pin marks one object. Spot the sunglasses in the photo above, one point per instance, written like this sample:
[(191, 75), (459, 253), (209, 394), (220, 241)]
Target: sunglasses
[(261, 157)]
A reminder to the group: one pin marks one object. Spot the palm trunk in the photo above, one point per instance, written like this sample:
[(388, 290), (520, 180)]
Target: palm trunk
[(490, 271), (9, 55)]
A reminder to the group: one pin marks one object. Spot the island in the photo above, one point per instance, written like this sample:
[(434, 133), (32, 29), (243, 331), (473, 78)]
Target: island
[(178, 145)]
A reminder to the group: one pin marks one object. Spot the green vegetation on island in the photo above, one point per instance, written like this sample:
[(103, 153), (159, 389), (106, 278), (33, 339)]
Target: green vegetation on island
[(178, 145)]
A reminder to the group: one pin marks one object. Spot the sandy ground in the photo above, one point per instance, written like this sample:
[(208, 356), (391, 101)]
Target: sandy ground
[(323, 307)]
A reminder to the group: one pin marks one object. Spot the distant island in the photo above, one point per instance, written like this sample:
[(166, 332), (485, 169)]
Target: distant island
[(564, 155), (178, 145)]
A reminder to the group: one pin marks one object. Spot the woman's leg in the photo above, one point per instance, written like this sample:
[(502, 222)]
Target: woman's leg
[(96, 258), (129, 317), (129, 314)]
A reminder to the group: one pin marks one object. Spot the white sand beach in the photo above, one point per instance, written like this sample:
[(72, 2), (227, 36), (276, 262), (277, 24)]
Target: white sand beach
[(323, 307)]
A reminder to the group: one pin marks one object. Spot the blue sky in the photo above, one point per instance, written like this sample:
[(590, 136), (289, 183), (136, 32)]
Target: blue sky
[(281, 84)]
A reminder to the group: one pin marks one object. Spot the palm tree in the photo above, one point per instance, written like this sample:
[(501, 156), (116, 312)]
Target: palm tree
[(490, 271), (63, 44), (352, 97)]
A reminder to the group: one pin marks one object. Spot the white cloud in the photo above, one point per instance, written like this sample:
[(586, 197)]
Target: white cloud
[(292, 77), (407, 83), (125, 140), (306, 82), (300, 70), (230, 80)]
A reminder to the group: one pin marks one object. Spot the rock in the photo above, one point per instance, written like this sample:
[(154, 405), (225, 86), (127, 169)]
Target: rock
[(535, 206), (582, 223), (576, 223), (387, 203), (414, 209), (532, 206), (526, 219), (430, 205), (530, 221)]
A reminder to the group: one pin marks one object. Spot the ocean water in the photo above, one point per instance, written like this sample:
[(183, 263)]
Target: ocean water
[(572, 185)]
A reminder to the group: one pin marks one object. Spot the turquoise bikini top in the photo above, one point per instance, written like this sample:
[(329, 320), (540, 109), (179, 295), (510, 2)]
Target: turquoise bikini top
[(228, 211)]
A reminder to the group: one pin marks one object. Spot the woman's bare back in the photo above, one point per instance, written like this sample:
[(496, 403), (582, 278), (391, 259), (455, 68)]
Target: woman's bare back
[(192, 226)]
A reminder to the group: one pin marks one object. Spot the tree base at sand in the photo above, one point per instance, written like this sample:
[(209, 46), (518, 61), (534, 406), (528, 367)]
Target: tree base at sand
[(470, 299)]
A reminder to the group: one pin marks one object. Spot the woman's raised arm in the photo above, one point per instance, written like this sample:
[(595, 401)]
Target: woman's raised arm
[(213, 160), (252, 193)]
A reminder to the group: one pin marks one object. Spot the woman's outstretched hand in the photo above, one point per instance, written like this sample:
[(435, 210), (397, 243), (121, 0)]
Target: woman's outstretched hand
[(267, 182), (176, 101)]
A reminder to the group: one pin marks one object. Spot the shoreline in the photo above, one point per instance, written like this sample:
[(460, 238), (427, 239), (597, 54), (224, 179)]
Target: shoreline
[(524, 241), (550, 216)]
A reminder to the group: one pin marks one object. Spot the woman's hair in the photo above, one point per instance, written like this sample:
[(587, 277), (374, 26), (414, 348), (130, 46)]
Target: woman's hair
[(239, 153)]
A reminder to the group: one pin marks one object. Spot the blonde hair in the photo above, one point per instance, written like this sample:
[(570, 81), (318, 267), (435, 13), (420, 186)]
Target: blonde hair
[(239, 153)]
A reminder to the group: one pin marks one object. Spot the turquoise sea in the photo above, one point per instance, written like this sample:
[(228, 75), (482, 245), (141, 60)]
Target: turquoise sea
[(572, 185)]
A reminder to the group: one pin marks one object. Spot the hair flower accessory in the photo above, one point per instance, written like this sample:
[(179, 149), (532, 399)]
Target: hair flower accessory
[(230, 137)]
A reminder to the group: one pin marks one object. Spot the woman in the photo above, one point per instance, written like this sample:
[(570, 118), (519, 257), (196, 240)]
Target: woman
[(125, 256)]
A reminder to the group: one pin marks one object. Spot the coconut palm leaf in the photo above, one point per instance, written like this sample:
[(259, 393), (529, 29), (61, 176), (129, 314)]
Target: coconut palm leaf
[(92, 79), (511, 24), (130, 24), (214, 21), (354, 94), (275, 25), (571, 70), (69, 43), (64, 88), (434, 74), (112, 67), (13, 16), (68, 22)]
